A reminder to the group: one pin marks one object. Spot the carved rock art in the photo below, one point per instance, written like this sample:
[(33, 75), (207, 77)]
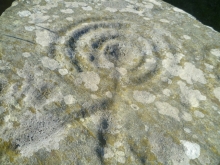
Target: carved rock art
[(100, 82)]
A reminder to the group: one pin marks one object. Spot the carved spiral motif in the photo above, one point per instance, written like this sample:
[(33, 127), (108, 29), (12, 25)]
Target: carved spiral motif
[(106, 46)]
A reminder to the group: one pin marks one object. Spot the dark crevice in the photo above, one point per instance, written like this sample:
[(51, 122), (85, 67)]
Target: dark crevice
[(75, 37), (86, 112), (91, 58), (18, 38), (102, 139), (97, 43), (104, 124), (142, 78), (80, 32), (46, 29)]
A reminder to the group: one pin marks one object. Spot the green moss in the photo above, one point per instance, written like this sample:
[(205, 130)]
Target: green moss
[(7, 150), (33, 110)]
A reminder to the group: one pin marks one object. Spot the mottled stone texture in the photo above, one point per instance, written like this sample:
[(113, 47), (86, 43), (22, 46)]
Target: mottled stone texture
[(107, 82)]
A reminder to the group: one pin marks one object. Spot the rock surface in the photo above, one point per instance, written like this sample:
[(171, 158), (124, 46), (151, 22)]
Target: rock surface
[(107, 82)]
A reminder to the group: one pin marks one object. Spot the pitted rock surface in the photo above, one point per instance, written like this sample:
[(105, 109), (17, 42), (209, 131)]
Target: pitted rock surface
[(107, 82)]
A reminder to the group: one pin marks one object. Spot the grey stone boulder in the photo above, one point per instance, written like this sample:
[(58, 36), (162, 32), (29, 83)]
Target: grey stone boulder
[(107, 82)]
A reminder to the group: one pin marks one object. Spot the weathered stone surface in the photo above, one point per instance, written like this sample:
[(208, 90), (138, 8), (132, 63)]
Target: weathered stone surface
[(107, 82)]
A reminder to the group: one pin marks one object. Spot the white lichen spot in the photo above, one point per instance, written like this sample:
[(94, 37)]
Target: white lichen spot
[(111, 9), (63, 71), (211, 75), (187, 130), (166, 92), (122, 71), (14, 3), (170, 63), (150, 64), (196, 25), (214, 108), (216, 92), (74, 4), (7, 118), (186, 37), (55, 16), (146, 128), (198, 114), (134, 107), (166, 109), (88, 8), (49, 143), (36, 2), (215, 52), (192, 150), (91, 80), (164, 21), (69, 99), (43, 38), (69, 19), (93, 96), (24, 13), (118, 144), (186, 116), (50, 63), (26, 54), (108, 94), (131, 10), (149, 6), (155, 2), (67, 11), (147, 19), (191, 96), (38, 18), (108, 153), (195, 136), (190, 73), (120, 156), (209, 67), (143, 97), (29, 28)]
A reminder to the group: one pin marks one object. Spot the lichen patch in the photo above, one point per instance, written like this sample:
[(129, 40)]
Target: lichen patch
[(192, 150), (186, 37), (216, 92), (164, 21), (215, 52), (111, 9), (191, 74), (67, 11), (24, 13), (186, 116), (199, 114), (50, 63), (63, 71), (29, 28), (88, 8), (167, 109), (44, 38), (189, 95), (26, 54), (69, 99), (91, 80), (143, 97)]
